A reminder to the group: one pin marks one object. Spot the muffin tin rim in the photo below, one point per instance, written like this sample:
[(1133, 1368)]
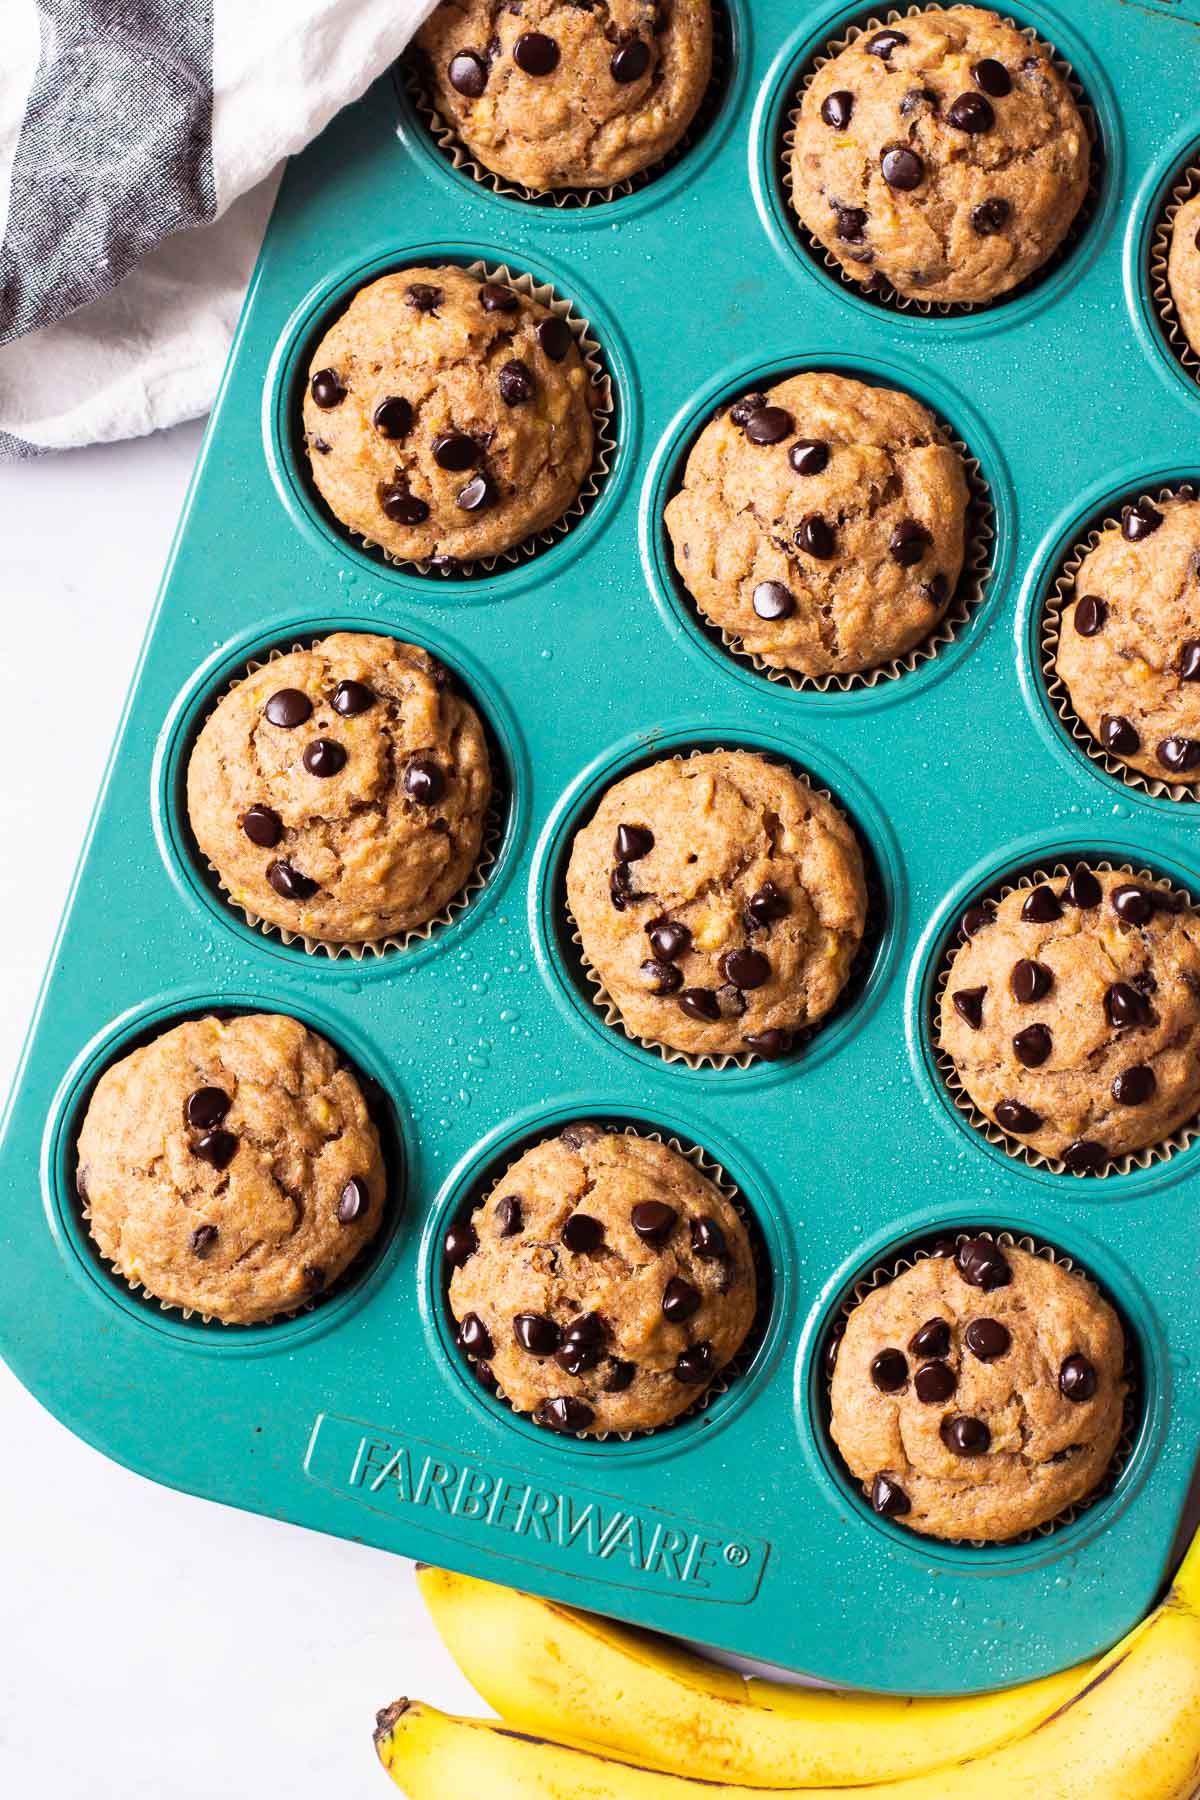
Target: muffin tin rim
[(317, 309), (1146, 207), (778, 90), (499, 1147), (1114, 1279), (1012, 859), (681, 613), (195, 702), (106, 1286), (547, 891)]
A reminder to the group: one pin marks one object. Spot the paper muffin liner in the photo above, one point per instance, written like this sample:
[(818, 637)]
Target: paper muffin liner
[(330, 1291), (1184, 189), (860, 962), (1061, 595), (976, 570), (489, 846), (738, 1363), (412, 73), (884, 294), (603, 448), (886, 1272), (1145, 1158)]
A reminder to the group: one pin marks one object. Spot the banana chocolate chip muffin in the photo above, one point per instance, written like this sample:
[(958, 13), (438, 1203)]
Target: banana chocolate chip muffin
[(341, 791), (1129, 641), (1072, 1015), (720, 900), (556, 94), (448, 417), (822, 524), (1183, 270), (603, 1284), (980, 1392), (230, 1167), (944, 155)]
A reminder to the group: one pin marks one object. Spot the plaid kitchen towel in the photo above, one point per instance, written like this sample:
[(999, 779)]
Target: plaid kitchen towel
[(140, 148)]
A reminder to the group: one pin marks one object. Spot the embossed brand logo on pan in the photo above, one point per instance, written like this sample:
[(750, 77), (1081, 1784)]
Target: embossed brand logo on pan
[(564, 1527)]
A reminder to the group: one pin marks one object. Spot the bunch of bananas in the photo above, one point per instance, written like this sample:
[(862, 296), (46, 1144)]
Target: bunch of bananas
[(590, 1710)]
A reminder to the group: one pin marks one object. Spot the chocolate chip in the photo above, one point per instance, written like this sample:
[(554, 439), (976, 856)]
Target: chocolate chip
[(620, 1376), (1085, 1156), (467, 73), (934, 1381), (708, 1240), (964, 1436), (1133, 1087), (669, 940), (474, 1336), (535, 53), (888, 1498), (633, 842), (700, 1003), (971, 113), (354, 1200), (580, 1132), (401, 505), (992, 77), (217, 1148), (732, 1001), (1139, 521), (915, 99), (772, 600), (1077, 1379), (326, 389), (1118, 735), (424, 781), (837, 109), (654, 1221), (509, 1216), (1133, 905), (630, 61), (393, 417), (990, 216), (937, 591), (536, 1333), (902, 168), (768, 425), (350, 698), (1013, 1115), (767, 905), (770, 1044), (324, 757), (987, 1339), (981, 1264), (1082, 889), (1178, 754), (694, 1365), (497, 296), (516, 382), (554, 336), (461, 1242), (883, 43), (930, 1339), (582, 1345), (289, 883), (809, 456), (206, 1107), (455, 450), (1125, 1006), (968, 1004), (320, 444), (562, 1413), (745, 968), (621, 890), (976, 917), (423, 296), (851, 224), (1189, 660), (1030, 980), (816, 536), (1091, 613), (288, 708), (680, 1300), (660, 977), (1033, 1045), (741, 409), (583, 1234), (1041, 906), (889, 1371), (202, 1239), (908, 543), (314, 1277), (485, 1377), (833, 1344), (479, 494)]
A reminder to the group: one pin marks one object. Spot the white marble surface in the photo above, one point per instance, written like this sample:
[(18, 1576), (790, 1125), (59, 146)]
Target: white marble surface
[(153, 1646)]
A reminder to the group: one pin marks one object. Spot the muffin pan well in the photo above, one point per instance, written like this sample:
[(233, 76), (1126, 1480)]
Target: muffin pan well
[(735, 1526)]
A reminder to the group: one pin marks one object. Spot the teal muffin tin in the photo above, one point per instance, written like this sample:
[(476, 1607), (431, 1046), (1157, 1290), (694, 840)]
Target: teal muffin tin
[(737, 1527)]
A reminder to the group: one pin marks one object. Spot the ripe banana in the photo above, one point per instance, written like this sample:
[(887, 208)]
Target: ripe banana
[(555, 1672)]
